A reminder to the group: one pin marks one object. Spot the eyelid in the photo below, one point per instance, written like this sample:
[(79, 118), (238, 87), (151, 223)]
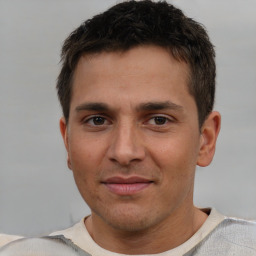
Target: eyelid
[(168, 117), (88, 118)]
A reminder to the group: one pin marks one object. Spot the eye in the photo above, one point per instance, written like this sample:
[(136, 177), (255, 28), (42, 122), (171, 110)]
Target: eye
[(158, 120), (96, 121)]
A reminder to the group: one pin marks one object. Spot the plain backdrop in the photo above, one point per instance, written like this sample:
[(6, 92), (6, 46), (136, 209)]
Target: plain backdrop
[(37, 191)]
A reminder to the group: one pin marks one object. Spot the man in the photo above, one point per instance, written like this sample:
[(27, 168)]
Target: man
[(137, 90)]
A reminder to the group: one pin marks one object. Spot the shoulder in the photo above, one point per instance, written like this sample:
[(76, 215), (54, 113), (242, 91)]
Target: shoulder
[(5, 239), (238, 230), (235, 236), (76, 229), (78, 234), (49, 245), (228, 236)]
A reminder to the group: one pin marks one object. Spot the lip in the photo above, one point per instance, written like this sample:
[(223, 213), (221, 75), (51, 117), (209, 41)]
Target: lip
[(127, 185)]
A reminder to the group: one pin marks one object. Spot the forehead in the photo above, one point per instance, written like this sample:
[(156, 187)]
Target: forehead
[(147, 58), (146, 72)]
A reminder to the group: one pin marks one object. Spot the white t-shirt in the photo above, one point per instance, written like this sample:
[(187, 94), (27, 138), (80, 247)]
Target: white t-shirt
[(218, 236), (5, 239), (80, 236)]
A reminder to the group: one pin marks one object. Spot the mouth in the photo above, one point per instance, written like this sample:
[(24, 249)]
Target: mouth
[(127, 186)]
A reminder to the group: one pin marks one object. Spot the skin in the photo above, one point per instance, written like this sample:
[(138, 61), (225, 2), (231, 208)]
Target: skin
[(133, 143)]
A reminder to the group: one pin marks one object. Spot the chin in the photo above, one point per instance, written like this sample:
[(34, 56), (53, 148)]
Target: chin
[(129, 224), (130, 219)]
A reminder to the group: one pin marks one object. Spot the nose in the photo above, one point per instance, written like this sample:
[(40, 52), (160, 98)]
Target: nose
[(126, 145)]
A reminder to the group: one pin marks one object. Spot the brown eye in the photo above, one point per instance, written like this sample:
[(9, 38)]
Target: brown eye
[(98, 120), (160, 120)]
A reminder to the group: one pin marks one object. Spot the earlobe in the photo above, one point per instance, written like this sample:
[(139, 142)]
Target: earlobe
[(209, 134), (64, 133)]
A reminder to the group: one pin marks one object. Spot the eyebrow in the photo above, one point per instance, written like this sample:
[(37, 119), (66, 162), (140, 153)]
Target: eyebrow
[(94, 106), (147, 106), (151, 106)]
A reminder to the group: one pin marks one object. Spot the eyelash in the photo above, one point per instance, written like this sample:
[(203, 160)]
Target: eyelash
[(93, 118), (160, 118)]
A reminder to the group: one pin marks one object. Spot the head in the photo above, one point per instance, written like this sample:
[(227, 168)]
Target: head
[(131, 24), (136, 85)]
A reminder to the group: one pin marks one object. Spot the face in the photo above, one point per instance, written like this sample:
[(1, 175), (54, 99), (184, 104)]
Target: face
[(133, 139)]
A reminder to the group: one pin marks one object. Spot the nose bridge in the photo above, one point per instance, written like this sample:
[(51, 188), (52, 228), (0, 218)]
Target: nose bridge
[(126, 145)]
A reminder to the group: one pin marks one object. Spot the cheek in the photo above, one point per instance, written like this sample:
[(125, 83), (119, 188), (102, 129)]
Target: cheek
[(171, 153), (82, 163), (86, 156), (85, 152), (85, 173), (176, 158)]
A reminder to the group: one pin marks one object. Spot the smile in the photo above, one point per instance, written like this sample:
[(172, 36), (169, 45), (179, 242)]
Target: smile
[(126, 186)]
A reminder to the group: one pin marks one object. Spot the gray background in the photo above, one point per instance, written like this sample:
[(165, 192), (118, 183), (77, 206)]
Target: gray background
[(37, 191)]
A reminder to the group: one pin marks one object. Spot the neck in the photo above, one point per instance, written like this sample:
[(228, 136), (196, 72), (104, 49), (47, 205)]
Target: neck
[(170, 233)]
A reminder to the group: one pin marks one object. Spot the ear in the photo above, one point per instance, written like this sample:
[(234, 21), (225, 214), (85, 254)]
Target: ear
[(64, 133), (209, 133)]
